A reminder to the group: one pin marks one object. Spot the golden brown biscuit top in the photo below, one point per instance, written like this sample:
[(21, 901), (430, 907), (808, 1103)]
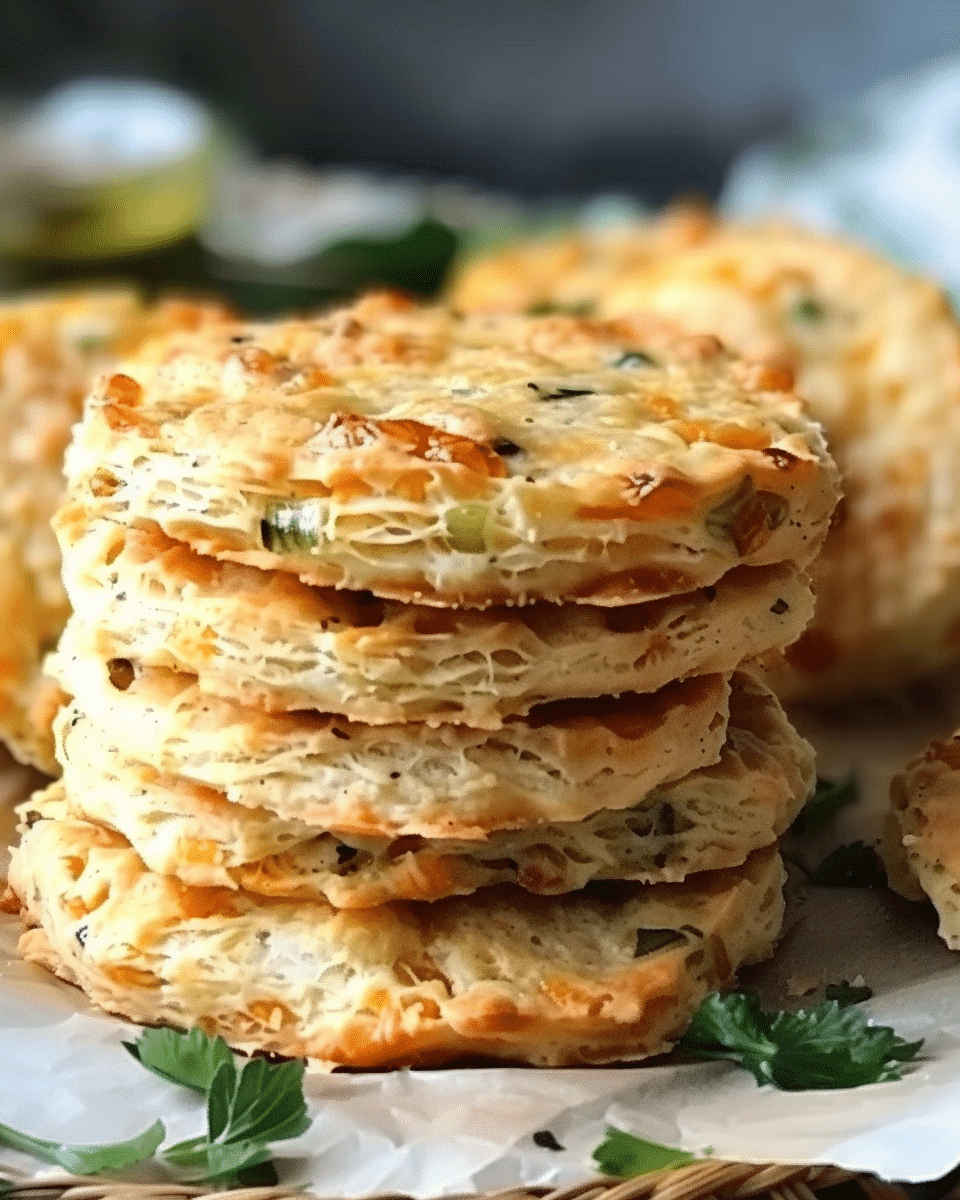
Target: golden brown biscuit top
[(643, 422)]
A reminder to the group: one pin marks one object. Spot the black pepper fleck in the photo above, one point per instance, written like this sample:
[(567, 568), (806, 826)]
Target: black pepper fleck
[(505, 448), (545, 1139), (560, 393), (779, 607), (567, 393)]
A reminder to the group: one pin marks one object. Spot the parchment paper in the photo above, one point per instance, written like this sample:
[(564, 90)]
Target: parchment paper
[(64, 1074)]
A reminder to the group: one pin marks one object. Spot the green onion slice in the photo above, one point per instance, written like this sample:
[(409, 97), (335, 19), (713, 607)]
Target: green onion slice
[(809, 310), (290, 526), (466, 526)]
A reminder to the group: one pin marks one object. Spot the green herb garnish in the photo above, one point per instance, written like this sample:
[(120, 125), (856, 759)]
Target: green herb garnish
[(624, 1155), (291, 526), (846, 993), (809, 310), (190, 1059), (855, 865), (553, 308), (828, 798), (649, 941), (247, 1110), (827, 1046), (92, 343), (559, 393), (88, 1160), (466, 528)]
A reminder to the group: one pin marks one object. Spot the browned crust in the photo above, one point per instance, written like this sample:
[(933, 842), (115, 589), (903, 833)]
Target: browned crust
[(921, 844), (74, 874), (626, 488)]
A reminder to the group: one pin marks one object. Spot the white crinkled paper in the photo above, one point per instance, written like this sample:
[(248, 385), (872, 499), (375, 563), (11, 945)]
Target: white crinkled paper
[(64, 1074)]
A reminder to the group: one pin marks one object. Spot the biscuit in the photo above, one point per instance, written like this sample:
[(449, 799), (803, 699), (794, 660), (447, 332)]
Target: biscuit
[(51, 349), (710, 819), (567, 272), (562, 762), (921, 845), (28, 700), (267, 640), (611, 972), (876, 354), (454, 460)]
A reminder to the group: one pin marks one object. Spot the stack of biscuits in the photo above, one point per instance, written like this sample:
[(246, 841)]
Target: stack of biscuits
[(409, 718)]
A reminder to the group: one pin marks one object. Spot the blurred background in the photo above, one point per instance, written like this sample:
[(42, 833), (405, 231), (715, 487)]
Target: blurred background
[(296, 147)]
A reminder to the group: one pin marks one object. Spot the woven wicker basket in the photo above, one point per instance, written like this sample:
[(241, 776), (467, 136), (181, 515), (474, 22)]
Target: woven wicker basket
[(696, 1181)]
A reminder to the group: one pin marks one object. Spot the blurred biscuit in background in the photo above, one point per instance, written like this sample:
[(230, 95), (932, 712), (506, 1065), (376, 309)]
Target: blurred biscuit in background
[(876, 355), (52, 347), (569, 272), (920, 847)]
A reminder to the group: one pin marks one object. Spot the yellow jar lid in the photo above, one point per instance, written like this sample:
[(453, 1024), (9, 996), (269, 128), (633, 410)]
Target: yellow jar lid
[(103, 167)]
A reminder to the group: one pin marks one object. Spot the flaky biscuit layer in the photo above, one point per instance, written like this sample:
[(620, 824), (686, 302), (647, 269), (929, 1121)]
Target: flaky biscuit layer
[(712, 818), (455, 460), (609, 973), (267, 640), (562, 762)]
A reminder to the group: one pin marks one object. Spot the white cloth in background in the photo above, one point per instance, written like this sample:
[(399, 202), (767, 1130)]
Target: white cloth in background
[(885, 170)]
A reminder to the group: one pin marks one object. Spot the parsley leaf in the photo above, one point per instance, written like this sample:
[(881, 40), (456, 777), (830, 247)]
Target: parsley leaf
[(625, 1155), (828, 798), (217, 1160), (190, 1059), (246, 1110), (822, 1047), (88, 1160), (854, 865)]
